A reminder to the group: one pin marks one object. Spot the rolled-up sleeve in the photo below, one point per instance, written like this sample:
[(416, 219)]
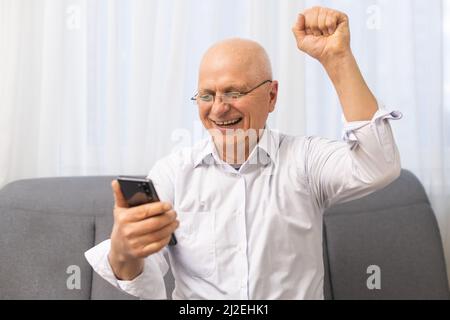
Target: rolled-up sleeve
[(148, 285), (365, 161)]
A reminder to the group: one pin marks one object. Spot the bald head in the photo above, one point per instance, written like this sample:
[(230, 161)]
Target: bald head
[(247, 57), (230, 66)]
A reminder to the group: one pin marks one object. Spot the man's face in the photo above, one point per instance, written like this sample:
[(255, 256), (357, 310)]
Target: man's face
[(224, 75)]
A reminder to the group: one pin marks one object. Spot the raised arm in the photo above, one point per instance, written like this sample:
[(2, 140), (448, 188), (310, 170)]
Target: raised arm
[(324, 34)]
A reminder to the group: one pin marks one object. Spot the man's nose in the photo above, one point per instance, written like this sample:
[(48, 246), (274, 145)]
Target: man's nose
[(219, 107)]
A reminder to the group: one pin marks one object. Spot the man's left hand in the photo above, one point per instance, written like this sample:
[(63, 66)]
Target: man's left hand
[(323, 34)]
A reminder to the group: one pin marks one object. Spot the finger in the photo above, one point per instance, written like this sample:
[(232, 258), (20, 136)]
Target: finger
[(341, 21), (119, 199), (153, 224), (299, 27), (159, 235), (311, 21), (148, 210), (331, 23), (155, 246), (341, 17), (321, 20)]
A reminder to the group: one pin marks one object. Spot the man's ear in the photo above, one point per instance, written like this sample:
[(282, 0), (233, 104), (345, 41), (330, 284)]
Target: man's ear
[(273, 95)]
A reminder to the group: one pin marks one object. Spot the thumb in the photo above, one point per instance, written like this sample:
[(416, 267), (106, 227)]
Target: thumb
[(119, 200), (342, 24), (299, 28)]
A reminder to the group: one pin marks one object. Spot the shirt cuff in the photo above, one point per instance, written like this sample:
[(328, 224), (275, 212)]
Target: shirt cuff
[(148, 285), (351, 127)]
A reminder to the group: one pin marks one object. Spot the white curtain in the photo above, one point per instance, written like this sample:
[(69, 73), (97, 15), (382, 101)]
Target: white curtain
[(102, 87), (94, 87)]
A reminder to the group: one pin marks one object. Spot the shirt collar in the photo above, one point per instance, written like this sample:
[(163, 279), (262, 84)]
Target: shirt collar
[(205, 153), (268, 144)]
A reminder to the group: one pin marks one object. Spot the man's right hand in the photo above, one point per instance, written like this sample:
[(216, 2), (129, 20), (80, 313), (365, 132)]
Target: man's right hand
[(137, 233)]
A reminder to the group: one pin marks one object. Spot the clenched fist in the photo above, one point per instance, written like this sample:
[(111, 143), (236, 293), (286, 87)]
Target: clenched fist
[(323, 33)]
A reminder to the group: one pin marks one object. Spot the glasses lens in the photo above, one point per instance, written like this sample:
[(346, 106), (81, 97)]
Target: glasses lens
[(208, 99), (231, 97)]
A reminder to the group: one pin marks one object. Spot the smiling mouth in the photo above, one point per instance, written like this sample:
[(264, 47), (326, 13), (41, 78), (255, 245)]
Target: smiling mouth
[(228, 123)]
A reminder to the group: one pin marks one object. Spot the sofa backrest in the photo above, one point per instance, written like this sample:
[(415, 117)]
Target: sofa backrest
[(47, 224), (392, 234), (45, 227)]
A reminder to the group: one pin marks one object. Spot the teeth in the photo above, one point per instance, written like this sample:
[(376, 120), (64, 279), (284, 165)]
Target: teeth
[(226, 123)]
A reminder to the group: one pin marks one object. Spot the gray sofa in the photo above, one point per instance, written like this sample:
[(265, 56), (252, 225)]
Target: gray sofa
[(47, 224)]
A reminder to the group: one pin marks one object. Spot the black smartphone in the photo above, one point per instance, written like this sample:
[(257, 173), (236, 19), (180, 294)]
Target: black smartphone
[(138, 191)]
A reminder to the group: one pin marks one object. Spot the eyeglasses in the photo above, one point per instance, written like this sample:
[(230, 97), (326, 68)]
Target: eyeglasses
[(228, 97)]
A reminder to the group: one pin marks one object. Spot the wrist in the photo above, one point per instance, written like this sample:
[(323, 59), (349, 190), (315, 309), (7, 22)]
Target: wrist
[(338, 60), (341, 67), (125, 269)]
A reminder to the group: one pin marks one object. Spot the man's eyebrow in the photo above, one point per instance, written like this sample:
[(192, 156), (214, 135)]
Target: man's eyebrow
[(234, 87), (205, 91), (228, 88)]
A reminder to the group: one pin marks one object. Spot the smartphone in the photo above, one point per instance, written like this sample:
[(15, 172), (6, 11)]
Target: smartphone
[(138, 191)]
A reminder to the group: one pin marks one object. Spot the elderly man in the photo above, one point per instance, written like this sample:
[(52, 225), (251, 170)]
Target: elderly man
[(246, 205)]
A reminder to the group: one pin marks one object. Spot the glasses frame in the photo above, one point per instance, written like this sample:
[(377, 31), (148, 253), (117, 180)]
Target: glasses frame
[(235, 94)]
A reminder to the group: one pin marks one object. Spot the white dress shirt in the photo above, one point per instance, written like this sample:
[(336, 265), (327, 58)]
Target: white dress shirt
[(256, 233)]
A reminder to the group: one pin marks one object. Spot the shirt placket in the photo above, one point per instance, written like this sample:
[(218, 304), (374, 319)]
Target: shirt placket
[(241, 260), (242, 243)]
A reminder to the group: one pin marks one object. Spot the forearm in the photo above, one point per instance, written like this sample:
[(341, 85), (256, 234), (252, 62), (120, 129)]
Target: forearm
[(357, 101)]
